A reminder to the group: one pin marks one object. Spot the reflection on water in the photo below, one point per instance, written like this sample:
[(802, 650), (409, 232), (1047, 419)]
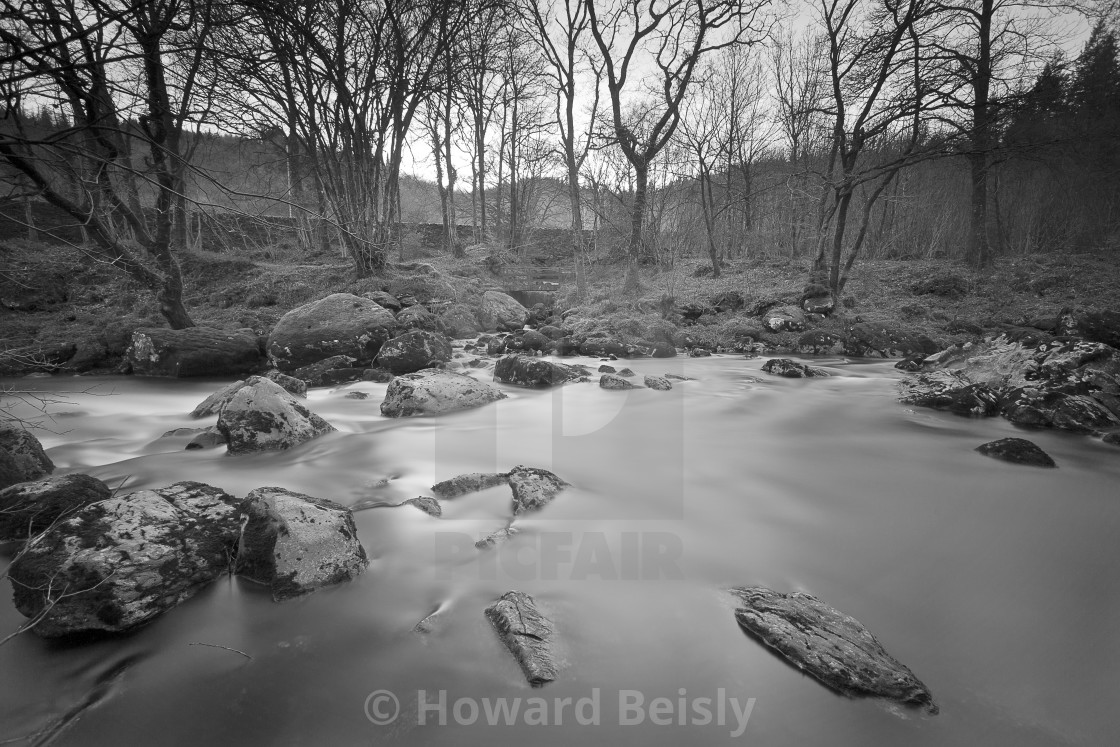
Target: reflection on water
[(996, 584)]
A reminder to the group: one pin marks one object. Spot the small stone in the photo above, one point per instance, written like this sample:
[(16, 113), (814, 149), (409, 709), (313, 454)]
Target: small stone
[(357, 395)]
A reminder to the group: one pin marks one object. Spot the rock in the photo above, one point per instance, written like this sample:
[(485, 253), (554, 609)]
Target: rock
[(21, 456), (417, 317), (207, 439), (427, 504), (945, 390), (911, 363), (678, 377), (784, 319), (121, 562), (626, 373), (607, 369), (291, 384), (819, 342), (213, 404), (533, 488), (195, 351), (340, 324), (414, 351), (459, 321), (262, 416), (660, 383), (602, 347), (1112, 439), (792, 369), (338, 369), (495, 537), (377, 375), (36, 358), (691, 312), (385, 300), (824, 304), (529, 339), (1038, 408), (357, 395), (832, 647), (662, 350), (699, 352), (552, 333), (879, 341), (28, 508), (434, 392), (521, 370), (964, 327), (469, 483), (527, 634), (1095, 326), (1018, 451), (566, 346), (728, 301), (295, 544), (501, 312), (614, 381)]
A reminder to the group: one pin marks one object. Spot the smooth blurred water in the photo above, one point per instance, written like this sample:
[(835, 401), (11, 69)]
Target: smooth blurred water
[(998, 585)]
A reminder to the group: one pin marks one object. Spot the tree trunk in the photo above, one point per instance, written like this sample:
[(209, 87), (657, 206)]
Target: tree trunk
[(979, 247)]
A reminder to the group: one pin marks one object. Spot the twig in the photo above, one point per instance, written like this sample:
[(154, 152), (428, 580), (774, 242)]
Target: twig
[(226, 648)]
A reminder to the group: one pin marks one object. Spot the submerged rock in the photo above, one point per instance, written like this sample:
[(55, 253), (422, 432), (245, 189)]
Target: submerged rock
[(433, 391), (527, 634), (469, 483), (533, 488), (118, 563), (195, 351), (28, 508), (521, 370), (21, 456), (792, 369), (1018, 451), (262, 416), (295, 544), (832, 647)]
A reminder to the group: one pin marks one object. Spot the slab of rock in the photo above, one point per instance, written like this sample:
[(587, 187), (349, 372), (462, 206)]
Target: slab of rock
[(340, 324), (121, 562), (28, 508), (614, 381), (832, 647), (262, 416), (427, 504), (533, 488), (879, 341), (338, 369), (492, 539), (413, 351), (501, 312), (195, 351), (527, 634), (521, 370), (658, 383), (295, 544), (792, 369), (1018, 451), (433, 391), (21, 456), (469, 483), (947, 390)]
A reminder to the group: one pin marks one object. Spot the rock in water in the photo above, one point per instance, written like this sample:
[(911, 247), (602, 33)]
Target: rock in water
[(498, 535), (527, 634), (533, 488), (340, 324), (213, 404), (427, 504), (1018, 451), (295, 544), (119, 563), (614, 381), (21, 456), (659, 383), (294, 386), (792, 369), (262, 416), (831, 646), (469, 483), (521, 370), (195, 351), (501, 312), (414, 351), (434, 391), (31, 507)]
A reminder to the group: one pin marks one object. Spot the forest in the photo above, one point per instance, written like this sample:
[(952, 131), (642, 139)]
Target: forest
[(830, 130)]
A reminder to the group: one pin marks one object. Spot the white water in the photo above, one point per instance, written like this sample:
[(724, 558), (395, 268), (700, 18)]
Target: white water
[(997, 584)]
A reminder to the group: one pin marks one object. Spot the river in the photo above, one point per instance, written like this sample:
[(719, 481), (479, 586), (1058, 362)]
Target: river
[(997, 584)]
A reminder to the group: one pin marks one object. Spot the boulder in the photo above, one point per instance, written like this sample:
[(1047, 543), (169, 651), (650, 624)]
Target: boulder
[(385, 300), (213, 404), (533, 488), (614, 381), (432, 391), (413, 351), (291, 384), (21, 456), (658, 383), (337, 369), (417, 317), (792, 369), (28, 508), (501, 312), (1095, 326), (819, 342), (377, 375), (295, 544), (784, 319), (527, 634), (459, 321), (1113, 439), (825, 643), (1017, 451), (565, 346), (262, 416), (528, 339), (699, 352), (602, 347), (946, 390), (662, 350), (469, 483), (195, 351), (123, 561), (520, 370), (879, 341), (340, 324)]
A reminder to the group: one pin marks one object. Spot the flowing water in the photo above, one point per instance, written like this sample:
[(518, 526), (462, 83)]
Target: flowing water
[(998, 585)]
